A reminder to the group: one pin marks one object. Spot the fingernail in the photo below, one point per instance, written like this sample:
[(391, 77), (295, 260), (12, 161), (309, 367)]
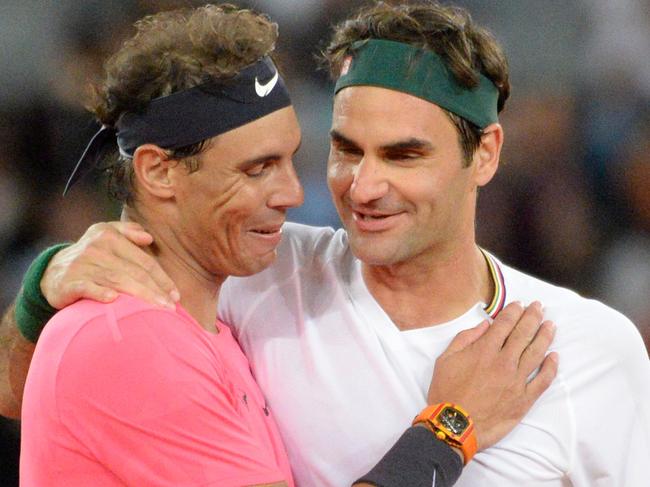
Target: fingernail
[(175, 295), (165, 303)]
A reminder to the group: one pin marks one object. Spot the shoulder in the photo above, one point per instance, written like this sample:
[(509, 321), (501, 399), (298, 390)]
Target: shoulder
[(583, 324), (88, 329), (122, 354), (558, 301)]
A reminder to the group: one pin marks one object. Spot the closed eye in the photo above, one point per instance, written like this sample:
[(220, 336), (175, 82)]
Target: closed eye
[(349, 150), (258, 168), (403, 156)]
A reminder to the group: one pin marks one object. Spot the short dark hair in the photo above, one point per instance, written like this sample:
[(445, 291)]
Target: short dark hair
[(450, 32), (173, 51)]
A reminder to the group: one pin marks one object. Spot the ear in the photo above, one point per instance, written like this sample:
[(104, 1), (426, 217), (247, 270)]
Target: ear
[(486, 157), (151, 166)]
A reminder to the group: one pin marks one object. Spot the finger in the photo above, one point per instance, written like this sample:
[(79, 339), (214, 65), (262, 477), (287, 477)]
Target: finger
[(134, 232), (110, 249), (106, 294), (146, 270), (467, 337), (544, 378), (77, 290), (131, 278), (535, 352), (144, 292), (524, 331), (503, 325)]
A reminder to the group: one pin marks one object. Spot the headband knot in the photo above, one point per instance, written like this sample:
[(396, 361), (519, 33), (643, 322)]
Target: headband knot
[(103, 140)]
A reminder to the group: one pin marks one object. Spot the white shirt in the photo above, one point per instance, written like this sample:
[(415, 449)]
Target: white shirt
[(344, 382)]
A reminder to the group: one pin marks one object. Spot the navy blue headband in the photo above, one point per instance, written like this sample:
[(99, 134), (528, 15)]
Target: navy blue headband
[(190, 116)]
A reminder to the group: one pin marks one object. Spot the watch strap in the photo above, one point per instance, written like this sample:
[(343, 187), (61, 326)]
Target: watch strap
[(465, 441)]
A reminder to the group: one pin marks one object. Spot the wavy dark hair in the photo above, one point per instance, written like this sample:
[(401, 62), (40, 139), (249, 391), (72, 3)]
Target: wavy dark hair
[(173, 51)]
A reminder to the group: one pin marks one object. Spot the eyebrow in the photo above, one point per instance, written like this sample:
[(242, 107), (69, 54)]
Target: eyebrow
[(339, 138), (411, 143), (267, 157)]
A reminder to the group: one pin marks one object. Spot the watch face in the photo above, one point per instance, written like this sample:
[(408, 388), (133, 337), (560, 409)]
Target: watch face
[(453, 420)]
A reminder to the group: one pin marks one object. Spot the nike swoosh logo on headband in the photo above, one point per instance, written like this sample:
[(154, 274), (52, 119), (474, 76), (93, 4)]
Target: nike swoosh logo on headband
[(264, 89)]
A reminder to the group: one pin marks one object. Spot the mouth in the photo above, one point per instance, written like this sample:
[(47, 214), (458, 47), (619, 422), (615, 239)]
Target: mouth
[(370, 217), (375, 221), (267, 235), (267, 231)]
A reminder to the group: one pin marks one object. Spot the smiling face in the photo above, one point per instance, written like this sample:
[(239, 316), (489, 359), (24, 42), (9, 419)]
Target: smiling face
[(230, 212), (396, 175)]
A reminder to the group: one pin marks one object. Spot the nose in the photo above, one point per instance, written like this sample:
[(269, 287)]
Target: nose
[(288, 192), (369, 183)]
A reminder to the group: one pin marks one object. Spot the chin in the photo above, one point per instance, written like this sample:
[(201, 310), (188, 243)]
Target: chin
[(372, 254), (255, 265)]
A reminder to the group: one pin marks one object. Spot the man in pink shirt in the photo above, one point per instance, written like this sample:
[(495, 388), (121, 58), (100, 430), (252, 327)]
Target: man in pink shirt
[(132, 394), (127, 393)]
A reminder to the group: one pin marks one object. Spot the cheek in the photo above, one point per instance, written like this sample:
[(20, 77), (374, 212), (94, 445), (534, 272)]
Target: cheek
[(223, 194), (238, 209), (219, 214), (339, 176)]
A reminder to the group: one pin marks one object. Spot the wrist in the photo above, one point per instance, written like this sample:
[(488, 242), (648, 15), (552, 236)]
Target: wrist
[(451, 424), (32, 309), (44, 289)]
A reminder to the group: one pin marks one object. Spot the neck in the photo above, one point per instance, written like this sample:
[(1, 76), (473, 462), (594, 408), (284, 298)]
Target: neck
[(199, 288), (431, 289)]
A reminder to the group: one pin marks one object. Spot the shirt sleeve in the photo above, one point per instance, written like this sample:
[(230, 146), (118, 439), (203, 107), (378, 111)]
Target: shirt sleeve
[(609, 399), (151, 403)]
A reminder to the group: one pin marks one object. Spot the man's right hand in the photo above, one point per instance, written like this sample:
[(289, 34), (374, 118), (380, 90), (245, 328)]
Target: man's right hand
[(106, 260), (487, 370)]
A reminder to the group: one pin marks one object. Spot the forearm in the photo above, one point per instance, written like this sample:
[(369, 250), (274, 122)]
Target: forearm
[(15, 355), (32, 311)]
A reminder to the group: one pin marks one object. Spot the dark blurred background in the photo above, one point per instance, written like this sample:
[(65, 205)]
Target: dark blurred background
[(570, 203)]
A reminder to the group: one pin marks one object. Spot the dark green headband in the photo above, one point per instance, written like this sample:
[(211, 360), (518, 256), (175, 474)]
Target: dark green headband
[(418, 72)]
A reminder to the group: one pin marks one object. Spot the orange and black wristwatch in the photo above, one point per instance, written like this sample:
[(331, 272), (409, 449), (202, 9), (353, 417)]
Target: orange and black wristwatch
[(451, 424)]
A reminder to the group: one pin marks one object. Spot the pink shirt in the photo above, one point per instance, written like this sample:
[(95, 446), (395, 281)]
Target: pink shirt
[(126, 393)]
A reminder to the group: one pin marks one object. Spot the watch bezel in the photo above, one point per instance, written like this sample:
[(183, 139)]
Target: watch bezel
[(445, 420)]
